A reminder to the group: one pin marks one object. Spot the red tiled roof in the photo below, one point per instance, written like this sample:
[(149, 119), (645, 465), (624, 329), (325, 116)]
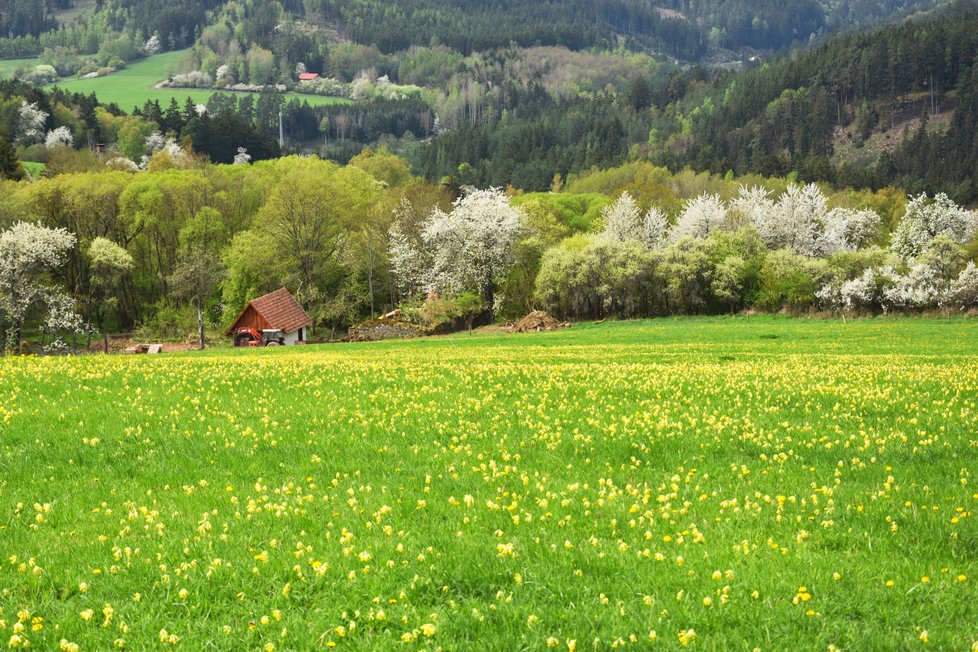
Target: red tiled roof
[(308, 76), (279, 309)]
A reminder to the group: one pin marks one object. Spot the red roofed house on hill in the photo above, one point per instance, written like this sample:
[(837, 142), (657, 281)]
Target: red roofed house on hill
[(308, 76), (271, 320)]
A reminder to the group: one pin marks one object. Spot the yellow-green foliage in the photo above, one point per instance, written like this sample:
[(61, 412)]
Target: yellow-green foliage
[(721, 484)]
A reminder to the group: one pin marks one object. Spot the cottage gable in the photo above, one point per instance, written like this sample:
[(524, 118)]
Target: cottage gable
[(278, 310)]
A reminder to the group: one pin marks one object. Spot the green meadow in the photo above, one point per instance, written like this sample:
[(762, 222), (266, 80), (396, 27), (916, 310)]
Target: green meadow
[(8, 66), (731, 483), (135, 84)]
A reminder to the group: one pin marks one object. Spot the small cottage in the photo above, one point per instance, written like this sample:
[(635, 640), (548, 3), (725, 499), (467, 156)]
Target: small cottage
[(308, 76), (275, 318)]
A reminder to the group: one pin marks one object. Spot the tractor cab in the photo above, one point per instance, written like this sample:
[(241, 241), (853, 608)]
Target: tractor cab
[(252, 337)]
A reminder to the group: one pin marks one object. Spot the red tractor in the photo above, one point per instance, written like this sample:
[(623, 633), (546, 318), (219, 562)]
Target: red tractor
[(251, 337)]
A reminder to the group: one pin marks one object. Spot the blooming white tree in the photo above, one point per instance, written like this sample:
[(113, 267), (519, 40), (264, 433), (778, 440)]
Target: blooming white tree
[(61, 319), (655, 228), (122, 163), (470, 248), (623, 220), (926, 219), (800, 220), (410, 259), (156, 142), (30, 123), (963, 293), (699, 218), (242, 157), (27, 251), (795, 221), (846, 229), (920, 288), (861, 293), (751, 205), (59, 137), (152, 45)]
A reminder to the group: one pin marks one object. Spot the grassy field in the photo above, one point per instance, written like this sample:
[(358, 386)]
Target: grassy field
[(718, 484), (135, 84), (35, 170), (8, 66)]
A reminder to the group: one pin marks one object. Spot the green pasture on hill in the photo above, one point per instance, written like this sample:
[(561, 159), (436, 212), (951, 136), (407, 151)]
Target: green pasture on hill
[(716, 484), (8, 66), (135, 84)]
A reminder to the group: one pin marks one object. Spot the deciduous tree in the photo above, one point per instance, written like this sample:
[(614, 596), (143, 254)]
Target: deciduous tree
[(28, 252)]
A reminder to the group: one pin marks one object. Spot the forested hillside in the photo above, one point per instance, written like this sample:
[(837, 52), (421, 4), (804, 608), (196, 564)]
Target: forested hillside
[(789, 115), (679, 28), (490, 94), (785, 117)]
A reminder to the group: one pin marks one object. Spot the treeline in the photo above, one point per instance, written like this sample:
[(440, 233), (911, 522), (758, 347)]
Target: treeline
[(63, 130), (356, 241), (545, 137), (306, 224)]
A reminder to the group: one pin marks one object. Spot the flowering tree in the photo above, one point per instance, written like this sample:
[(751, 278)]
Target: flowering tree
[(27, 252), (926, 219), (800, 220), (921, 287), (846, 229), (751, 205), (470, 248), (794, 221), (61, 318), (700, 217), (409, 258), (864, 292), (963, 293), (59, 137), (623, 220), (655, 228), (156, 142), (30, 123), (152, 45), (242, 157)]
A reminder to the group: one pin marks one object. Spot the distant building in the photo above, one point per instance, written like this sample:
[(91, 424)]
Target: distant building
[(308, 76), (273, 318)]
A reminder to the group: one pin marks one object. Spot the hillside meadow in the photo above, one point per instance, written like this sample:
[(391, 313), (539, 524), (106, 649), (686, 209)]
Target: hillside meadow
[(135, 84), (8, 66), (728, 483)]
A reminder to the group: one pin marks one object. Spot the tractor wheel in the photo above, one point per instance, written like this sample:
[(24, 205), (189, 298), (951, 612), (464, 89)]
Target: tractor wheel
[(272, 343), (242, 340)]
